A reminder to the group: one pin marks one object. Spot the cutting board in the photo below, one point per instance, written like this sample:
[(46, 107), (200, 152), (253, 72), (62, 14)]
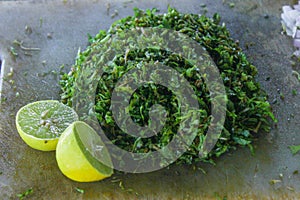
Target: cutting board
[(59, 28)]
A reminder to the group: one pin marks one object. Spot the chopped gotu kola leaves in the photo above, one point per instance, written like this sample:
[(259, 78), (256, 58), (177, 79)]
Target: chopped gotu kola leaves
[(247, 112)]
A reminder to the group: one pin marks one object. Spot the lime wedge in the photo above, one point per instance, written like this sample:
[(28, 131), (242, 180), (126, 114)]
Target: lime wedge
[(41, 123), (81, 155)]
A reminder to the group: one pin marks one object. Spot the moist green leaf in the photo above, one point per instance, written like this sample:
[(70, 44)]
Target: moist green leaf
[(294, 149), (79, 190)]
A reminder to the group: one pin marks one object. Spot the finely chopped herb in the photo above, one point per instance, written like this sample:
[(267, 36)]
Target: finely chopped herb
[(248, 110), (25, 194), (294, 149), (81, 191)]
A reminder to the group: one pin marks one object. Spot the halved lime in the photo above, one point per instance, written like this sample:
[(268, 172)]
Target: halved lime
[(81, 154), (41, 123)]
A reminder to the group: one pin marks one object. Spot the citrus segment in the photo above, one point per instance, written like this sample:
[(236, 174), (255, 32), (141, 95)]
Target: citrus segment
[(80, 154), (41, 123)]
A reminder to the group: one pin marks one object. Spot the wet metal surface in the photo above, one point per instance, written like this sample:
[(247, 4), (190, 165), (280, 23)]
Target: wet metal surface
[(59, 28)]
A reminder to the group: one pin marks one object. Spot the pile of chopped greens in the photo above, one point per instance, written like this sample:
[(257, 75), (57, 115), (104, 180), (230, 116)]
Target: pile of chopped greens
[(248, 110)]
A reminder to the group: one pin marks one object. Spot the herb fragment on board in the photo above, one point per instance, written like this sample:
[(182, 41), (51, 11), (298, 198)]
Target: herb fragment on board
[(274, 181), (20, 44), (25, 194), (296, 74), (294, 149), (81, 191), (290, 188), (28, 29), (107, 8), (41, 22), (13, 52), (121, 185), (116, 13)]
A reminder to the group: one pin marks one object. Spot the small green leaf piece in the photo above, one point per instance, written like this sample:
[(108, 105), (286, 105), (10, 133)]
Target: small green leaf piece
[(294, 149)]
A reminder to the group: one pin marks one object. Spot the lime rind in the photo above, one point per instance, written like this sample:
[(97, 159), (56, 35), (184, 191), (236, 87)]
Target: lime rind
[(93, 148), (72, 162), (75, 157)]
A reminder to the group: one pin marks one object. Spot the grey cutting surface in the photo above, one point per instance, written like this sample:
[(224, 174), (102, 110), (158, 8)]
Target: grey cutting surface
[(59, 29)]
